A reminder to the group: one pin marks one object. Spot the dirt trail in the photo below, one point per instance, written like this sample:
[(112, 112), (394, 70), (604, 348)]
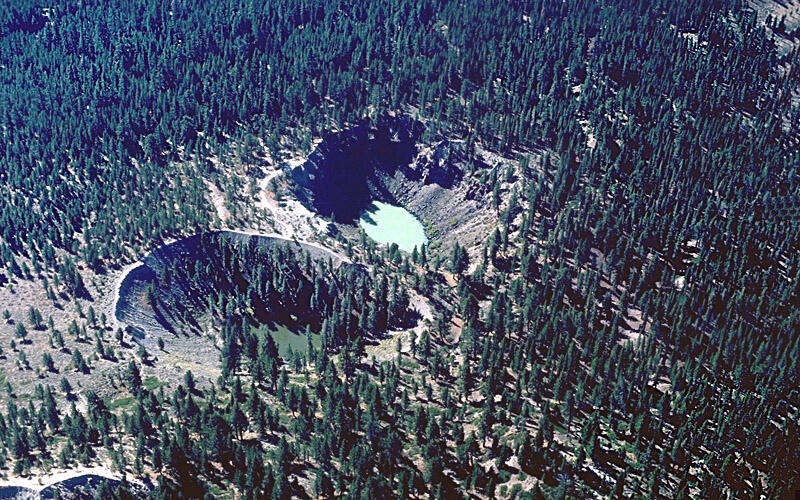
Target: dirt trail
[(292, 218)]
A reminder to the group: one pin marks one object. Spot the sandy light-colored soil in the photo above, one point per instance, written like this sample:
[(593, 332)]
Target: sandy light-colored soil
[(54, 476)]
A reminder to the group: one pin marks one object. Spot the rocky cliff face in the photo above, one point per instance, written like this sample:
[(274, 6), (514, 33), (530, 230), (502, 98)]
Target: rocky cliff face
[(350, 169)]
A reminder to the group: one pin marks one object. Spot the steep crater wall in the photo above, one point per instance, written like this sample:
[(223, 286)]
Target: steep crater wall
[(388, 162), (162, 293)]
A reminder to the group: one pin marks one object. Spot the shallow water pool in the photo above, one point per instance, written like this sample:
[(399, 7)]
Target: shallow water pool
[(389, 224)]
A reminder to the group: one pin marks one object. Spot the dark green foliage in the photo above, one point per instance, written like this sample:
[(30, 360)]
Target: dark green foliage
[(634, 314), (20, 331), (35, 318), (247, 286)]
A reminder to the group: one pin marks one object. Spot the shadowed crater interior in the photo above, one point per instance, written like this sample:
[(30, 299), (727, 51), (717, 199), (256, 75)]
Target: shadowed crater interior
[(268, 279)]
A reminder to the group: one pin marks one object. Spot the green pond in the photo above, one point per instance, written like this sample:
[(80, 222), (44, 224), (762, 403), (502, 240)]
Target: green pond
[(389, 224), (286, 338)]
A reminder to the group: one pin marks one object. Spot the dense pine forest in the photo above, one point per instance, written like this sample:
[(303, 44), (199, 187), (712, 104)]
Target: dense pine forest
[(628, 328)]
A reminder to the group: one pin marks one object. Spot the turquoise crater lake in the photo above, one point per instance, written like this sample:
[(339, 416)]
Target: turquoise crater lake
[(389, 224)]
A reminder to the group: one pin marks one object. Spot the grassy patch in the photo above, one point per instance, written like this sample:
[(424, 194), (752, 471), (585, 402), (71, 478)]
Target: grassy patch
[(122, 403), (285, 338), (152, 383), (218, 492)]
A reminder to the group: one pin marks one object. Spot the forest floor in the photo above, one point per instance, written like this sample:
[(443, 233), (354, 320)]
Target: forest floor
[(386, 348), (260, 202)]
